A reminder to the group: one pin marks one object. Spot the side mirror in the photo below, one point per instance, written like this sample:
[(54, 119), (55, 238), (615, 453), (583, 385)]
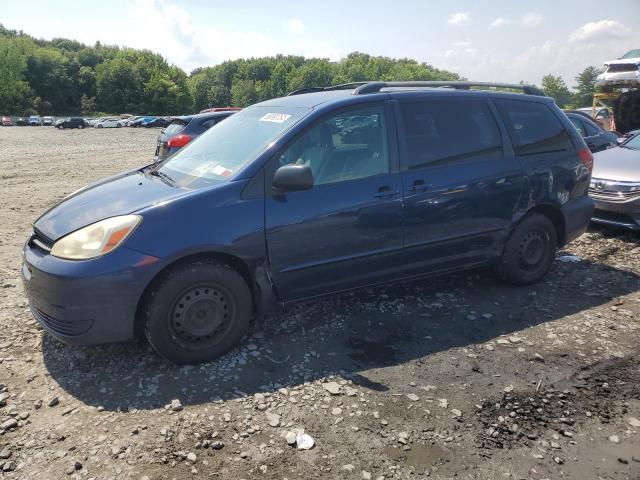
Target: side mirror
[(291, 178)]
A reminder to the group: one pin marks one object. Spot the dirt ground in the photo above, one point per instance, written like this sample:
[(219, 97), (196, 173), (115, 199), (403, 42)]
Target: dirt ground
[(455, 377)]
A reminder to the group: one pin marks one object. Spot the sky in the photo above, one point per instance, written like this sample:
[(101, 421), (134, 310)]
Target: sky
[(484, 40)]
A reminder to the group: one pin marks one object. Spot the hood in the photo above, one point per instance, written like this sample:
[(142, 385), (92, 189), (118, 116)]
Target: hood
[(618, 163), (121, 194), (623, 61)]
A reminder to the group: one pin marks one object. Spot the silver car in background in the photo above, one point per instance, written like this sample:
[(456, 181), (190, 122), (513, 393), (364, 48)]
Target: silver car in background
[(615, 185)]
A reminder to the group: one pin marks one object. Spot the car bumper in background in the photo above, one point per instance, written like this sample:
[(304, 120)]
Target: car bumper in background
[(624, 214), (86, 302)]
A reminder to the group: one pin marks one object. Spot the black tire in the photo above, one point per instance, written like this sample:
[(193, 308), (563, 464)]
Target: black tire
[(529, 251), (61, 127), (197, 311)]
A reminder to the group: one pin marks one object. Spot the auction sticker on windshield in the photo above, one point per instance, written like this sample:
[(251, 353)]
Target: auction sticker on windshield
[(275, 117)]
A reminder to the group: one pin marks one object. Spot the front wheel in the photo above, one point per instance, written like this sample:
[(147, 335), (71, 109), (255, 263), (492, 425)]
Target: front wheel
[(197, 311), (80, 127), (529, 251)]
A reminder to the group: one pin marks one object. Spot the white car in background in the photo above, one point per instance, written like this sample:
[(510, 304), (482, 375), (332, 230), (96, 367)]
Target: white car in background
[(621, 72), (108, 123)]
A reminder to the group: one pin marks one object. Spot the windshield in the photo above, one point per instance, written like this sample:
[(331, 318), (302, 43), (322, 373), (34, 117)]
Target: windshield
[(633, 142), (174, 127), (632, 54), (228, 146)]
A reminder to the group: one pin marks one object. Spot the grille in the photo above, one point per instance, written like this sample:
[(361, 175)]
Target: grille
[(613, 196), (622, 67), (61, 327)]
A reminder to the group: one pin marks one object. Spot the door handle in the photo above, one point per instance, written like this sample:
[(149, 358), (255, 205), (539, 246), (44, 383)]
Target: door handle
[(418, 186), (386, 192)]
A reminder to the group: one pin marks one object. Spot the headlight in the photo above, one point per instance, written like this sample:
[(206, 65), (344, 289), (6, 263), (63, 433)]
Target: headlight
[(96, 239)]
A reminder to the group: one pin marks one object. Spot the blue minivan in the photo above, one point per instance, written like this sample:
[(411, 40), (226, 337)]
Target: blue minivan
[(316, 193)]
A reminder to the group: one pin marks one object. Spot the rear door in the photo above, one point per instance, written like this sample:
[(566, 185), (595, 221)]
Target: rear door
[(461, 185), (346, 231)]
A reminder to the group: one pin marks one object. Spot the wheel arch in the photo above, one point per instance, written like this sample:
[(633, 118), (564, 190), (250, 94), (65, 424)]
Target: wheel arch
[(555, 215), (260, 288)]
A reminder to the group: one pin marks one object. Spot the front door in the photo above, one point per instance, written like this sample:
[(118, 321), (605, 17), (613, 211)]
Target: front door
[(346, 230), (461, 187)]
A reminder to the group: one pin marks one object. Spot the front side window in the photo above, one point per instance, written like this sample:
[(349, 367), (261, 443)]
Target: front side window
[(533, 127), (441, 131), (220, 152), (346, 146)]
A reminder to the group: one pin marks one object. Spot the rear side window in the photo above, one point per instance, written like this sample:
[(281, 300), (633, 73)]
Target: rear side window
[(207, 124), (592, 131), (441, 131), (533, 127), (579, 126)]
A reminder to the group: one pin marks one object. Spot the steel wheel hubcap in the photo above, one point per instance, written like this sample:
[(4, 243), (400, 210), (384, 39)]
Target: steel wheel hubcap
[(201, 316), (532, 249)]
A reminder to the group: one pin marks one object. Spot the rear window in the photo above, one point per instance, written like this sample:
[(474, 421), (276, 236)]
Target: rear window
[(441, 131), (533, 127), (173, 128)]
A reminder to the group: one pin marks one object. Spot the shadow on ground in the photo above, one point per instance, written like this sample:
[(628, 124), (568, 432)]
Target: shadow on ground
[(349, 335)]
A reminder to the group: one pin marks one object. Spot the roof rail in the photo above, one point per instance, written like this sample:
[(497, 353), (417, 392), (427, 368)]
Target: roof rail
[(374, 87), (343, 86)]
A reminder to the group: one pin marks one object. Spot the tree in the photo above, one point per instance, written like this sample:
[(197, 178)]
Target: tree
[(555, 88), (586, 86)]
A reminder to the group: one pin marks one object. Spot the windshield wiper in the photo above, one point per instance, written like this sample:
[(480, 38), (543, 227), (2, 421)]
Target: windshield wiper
[(162, 175)]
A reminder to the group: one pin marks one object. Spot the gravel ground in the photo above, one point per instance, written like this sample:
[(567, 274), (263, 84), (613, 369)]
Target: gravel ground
[(459, 376)]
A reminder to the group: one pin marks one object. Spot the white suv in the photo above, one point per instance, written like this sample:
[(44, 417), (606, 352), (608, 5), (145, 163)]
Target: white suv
[(623, 71)]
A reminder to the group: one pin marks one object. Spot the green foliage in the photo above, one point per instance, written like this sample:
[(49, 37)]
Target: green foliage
[(555, 88), (586, 86), (64, 77)]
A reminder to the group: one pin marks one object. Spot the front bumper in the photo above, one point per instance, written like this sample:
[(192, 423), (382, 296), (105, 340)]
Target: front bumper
[(630, 78), (618, 214), (86, 302)]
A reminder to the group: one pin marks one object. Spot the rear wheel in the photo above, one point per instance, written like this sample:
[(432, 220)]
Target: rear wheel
[(197, 312), (529, 251)]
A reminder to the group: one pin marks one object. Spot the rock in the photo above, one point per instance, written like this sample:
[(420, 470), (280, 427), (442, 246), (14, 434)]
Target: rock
[(366, 475), (304, 441), (263, 468), (634, 422), (53, 402), (3, 399), (336, 411), (332, 387), (175, 405), (290, 437), (443, 402), (538, 358), (244, 454), (273, 419), (217, 445), (614, 438), (413, 397), (11, 423), (9, 466), (192, 457), (77, 465), (5, 453), (348, 467), (508, 389), (456, 412)]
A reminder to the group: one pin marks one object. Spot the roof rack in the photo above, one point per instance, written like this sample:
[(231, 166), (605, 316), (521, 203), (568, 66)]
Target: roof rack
[(343, 86), (374, 87)]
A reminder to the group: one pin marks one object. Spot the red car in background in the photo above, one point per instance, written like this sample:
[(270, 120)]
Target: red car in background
[(7, 122)]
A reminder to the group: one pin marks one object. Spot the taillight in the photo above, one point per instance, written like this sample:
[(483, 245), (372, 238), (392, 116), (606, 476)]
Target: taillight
[(179, 141), (586, 157)]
